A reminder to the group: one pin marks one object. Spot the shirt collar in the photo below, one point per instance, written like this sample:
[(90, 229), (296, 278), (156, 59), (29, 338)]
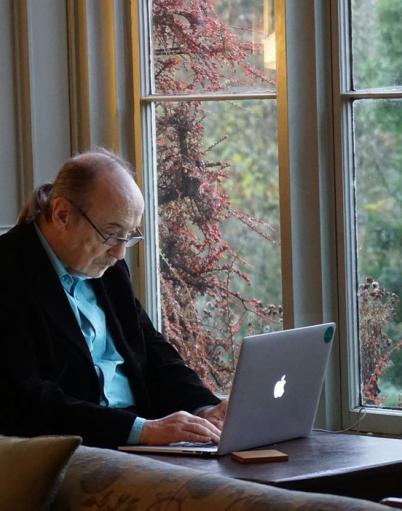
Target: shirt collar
[(58, 266), (68, 280)]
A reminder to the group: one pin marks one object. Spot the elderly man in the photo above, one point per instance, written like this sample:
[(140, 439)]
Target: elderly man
[(78, 353)]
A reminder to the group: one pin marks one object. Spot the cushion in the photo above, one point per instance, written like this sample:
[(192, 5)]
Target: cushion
[(30, 469), (105, 480)]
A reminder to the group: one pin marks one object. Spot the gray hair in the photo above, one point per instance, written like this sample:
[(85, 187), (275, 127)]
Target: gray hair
[(75, 181)]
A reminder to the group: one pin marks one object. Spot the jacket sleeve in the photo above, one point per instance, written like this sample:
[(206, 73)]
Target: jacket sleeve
[(171, 384), (34, 404)]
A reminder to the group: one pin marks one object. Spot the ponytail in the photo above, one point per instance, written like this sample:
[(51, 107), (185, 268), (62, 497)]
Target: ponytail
[(39, 202)]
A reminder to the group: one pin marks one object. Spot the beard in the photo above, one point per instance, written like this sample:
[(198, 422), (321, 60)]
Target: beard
[(95, 269)]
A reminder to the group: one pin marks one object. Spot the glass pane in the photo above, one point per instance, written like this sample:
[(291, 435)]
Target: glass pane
[(378, 141), (219, 229), (225, 45), (377, 43)]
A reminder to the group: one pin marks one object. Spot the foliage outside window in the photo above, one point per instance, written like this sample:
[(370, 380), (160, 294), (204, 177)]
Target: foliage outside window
[(377, 68), (217, 178)]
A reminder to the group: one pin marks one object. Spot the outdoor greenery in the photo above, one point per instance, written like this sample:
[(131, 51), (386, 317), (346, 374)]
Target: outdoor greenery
[(377, 58), (217, 185)]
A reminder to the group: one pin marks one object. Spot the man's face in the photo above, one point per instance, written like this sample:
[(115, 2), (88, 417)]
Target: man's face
[(115, 212)]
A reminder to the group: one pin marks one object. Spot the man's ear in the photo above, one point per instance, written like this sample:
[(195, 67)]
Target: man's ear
[(61, 213)]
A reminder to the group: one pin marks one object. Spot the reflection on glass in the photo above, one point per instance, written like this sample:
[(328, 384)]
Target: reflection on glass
[(376, 43), (218, 228), (225, 45), (378, 151)]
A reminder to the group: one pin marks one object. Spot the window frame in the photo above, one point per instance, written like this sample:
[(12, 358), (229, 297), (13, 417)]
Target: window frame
[(302, 305), (377, 420), (147, 101)]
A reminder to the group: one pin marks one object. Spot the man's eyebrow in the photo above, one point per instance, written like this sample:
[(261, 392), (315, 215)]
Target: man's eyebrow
[(118, 226), (114, 224)]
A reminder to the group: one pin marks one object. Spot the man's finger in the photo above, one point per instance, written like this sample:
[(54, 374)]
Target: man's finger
[(206, 423), (206, 429)]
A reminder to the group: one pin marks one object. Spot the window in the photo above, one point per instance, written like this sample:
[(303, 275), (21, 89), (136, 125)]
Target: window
[(209, 112), (372, 122)]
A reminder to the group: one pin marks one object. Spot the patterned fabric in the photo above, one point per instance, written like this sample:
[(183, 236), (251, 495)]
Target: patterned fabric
[(100, 479)]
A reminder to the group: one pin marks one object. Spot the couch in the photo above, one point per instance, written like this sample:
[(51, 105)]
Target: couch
[(59, 474)]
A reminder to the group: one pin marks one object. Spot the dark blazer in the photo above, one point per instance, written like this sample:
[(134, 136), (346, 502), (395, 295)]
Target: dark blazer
[(48, 384)]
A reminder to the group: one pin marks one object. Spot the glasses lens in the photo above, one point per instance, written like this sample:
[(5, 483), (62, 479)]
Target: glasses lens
[(133, 241), (113, 241)]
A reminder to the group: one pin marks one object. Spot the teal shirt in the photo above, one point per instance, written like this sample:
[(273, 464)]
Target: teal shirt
[(116, 390)]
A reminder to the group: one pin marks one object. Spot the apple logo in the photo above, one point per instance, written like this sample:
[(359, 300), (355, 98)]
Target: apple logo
[(279, 388)]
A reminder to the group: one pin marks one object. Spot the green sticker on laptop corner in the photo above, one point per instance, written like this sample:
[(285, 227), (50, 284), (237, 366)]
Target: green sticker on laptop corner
[(329, 333)]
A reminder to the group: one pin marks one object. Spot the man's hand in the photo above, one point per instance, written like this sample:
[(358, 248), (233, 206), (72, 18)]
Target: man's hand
[(215, 414), (178, 427)]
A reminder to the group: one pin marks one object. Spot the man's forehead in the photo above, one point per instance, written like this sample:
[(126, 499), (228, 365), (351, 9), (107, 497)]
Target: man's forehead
[(117, 188)]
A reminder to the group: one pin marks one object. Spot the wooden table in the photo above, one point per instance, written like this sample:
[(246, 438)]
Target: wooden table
[(343, 464)]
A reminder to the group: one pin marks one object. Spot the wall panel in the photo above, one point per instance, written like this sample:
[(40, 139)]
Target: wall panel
[(8, 125), (34, 98), (49, 86)]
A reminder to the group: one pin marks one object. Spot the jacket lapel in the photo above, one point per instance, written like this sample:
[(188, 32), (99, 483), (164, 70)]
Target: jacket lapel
[(46, 288), (128, 348)]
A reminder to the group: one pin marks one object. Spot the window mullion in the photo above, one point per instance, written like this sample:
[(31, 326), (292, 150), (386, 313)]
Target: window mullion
[(207, 97), (343, 142), (307, 183), (148, 165)]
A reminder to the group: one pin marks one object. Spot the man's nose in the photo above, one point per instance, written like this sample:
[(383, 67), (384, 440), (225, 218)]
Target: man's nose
[(118, 251)]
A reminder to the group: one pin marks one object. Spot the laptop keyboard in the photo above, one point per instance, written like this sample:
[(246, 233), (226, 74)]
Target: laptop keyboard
[(193, 444)]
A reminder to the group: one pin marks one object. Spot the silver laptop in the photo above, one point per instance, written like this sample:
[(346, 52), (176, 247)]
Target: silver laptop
[(275, 392)]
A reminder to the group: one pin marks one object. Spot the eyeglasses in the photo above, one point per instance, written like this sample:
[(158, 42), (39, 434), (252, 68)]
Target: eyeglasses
[(112, 241)]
